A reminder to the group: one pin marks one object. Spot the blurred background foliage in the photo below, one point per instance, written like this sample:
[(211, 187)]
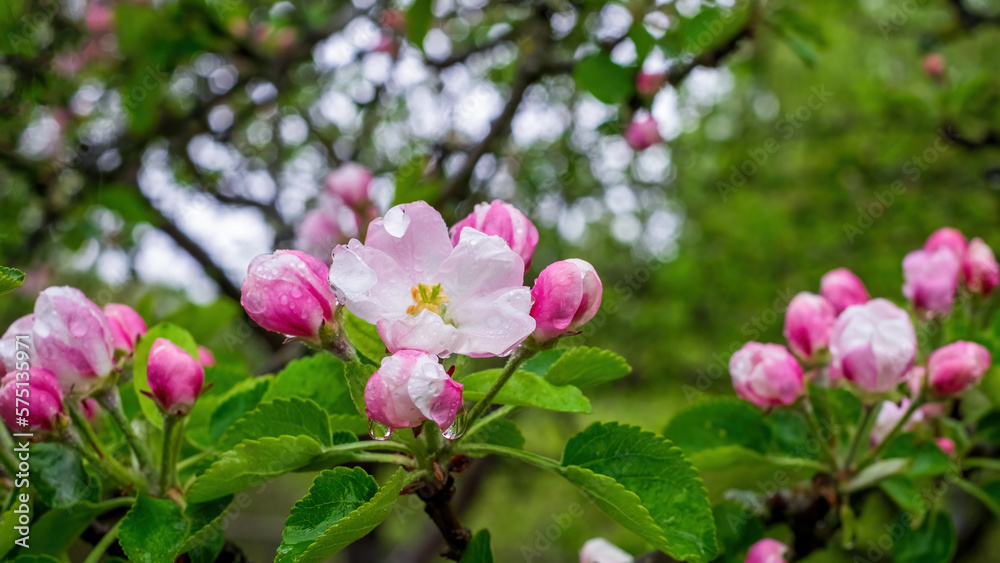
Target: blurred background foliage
[(148, 150)]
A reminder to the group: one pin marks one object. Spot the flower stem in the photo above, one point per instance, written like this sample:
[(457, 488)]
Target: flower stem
[(107, 465), (518, 357), (864, 431), (80, 421), (168, 467), (104, 544), (814, 426), (914, 405), (111, 402), (396, 459)]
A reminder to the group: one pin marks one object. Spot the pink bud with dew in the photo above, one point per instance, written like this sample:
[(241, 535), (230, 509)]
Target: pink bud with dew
[(808, 322), (566, 295), (767, 550), (175, 378), (766, 374), (600, 550), (126, 326), (979, 268), (8, 344), (842, 289), (931, 279), (287, 292), (649, 83), (643, 133), (956, 367), (45, 400), (873, 345), (72, 339), (350, 182), (947, 237), (205, 357), (505, 221), (409, 388)]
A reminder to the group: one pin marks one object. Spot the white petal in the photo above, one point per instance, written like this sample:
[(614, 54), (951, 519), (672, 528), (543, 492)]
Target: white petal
[(369, 283), (414, 236)]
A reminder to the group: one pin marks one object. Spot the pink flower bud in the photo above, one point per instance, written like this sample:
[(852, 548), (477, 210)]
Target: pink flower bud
[(767, 550), (643, 133), (842, 289), (126, 326), (8, 343), (89, 408), (287, 292), (873, 345), (505, 221), (350, 183), (980, 268), (566, 295), (947, 445), (647, 83), (409, 388), (600, 550), (930, 279), (41, 390), (100, 19), (766, 374), (956, 367), (946, 237), (934, 64), (205, 357), (808, 321), (72, 339), (174, 377), (317, 235)]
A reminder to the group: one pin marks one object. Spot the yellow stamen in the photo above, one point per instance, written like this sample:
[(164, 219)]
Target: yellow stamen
[(427, 297)]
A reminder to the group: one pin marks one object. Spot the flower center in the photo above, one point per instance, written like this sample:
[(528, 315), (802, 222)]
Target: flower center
[(427, 297)]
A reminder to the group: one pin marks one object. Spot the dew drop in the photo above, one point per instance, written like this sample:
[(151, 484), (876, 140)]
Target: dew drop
[(457, 427), (378, 431)]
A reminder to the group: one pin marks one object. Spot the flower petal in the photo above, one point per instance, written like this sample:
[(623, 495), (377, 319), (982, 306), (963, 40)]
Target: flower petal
[(370, 283), (414, 235)]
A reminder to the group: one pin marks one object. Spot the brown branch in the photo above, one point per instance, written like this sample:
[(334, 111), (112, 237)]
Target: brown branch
[(437, 505)]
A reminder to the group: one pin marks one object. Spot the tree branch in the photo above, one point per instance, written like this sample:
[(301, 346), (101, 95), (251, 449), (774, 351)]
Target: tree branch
[(437, 505)]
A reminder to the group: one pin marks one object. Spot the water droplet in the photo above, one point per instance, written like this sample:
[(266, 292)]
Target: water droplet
[(457, 427), (378, 431)]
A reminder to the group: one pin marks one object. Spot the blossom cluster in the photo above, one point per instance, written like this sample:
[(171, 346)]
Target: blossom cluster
[(430, 292), (70, 349)]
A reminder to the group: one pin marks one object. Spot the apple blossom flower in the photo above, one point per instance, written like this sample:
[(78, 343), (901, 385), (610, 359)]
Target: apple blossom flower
[(72, 339), (409, 388), (43, 394), (422, 293), (350, 183), (979, 268), (808, 321), (931, 279), (174, 377), (766, 374), (287, 292), (956, 367), (505, 221), (934, 64), (600, 550), (643, 133), (873, 345), (565, 296), (8, 343), (126, 326), (947, 237), (842, 289), (767, 550)]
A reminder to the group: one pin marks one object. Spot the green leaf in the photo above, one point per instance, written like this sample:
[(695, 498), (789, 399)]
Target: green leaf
[(988, 494), (240, 400), (719, 422), (656, 471), (173, 333), (418, 21), (792, 436), (342, 506), (499, 432), (905, 494), (60, 476), (320, 378), (711, 27), (219, 380), (357, 376), (350, 423), (927, 458), (988, 428), (205, 527), (525, 389), (642, 39), (364, 337), (281, 417), (153, 531), (586, 367), (933, 542), (738, 529), (837, 410), (8, 535), (876, 472), (58, 528), (540, 363), (604, 79), (737, 468), (253, 462), (619, 503), (10, 279), (478, 550)]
